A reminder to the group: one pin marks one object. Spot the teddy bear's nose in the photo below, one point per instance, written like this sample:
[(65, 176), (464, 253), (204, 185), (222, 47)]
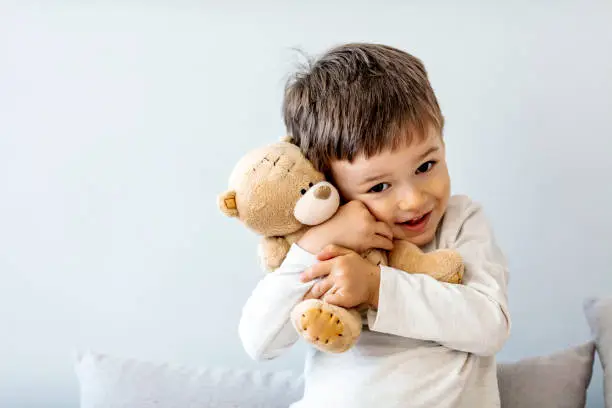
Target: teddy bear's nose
[(322, 192)]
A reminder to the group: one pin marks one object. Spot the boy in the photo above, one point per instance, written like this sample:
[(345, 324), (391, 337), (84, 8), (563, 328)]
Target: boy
[(367, 117)]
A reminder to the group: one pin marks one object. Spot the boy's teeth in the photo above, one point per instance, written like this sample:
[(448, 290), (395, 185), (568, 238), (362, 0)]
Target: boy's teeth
[(415, 220)]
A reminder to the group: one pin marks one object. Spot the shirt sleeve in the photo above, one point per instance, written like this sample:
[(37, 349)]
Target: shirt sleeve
[(471, 317), (265, 328)]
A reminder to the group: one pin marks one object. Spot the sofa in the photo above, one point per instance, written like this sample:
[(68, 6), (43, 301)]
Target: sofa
[(557, 380)]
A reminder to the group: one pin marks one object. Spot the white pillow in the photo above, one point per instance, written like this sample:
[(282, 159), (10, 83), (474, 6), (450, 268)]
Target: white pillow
[(556, 380), (112, 382)]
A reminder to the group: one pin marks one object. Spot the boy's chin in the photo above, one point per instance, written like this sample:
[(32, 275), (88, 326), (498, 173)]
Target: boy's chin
[(419, 240)]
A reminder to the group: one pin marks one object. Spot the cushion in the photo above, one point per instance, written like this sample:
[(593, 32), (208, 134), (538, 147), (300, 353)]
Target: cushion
[(598, 312), (558, 380), (113, 382)]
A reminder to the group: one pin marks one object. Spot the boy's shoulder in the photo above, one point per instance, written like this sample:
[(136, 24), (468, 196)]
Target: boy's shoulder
[(459, 210), (461, 205)]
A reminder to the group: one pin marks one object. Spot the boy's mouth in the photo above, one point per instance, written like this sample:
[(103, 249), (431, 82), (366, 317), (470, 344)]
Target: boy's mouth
[(416, 224)]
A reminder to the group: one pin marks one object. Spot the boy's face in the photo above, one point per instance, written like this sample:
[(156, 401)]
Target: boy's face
[(408, 187)]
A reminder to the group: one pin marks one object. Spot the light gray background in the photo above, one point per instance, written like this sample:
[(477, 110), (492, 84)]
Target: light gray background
[(119, 124)]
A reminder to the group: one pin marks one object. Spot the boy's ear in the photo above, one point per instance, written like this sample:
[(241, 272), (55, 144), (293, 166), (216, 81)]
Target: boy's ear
[(227, 203)]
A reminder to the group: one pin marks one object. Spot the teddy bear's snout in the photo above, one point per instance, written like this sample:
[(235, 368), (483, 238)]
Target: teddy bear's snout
[(322, 192), (317, 204)]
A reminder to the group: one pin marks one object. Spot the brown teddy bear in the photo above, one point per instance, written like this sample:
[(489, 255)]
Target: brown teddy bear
[(277, 193)]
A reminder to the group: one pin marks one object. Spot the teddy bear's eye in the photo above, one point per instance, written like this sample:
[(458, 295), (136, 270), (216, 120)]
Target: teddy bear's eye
[(310, 184), (303, 191)]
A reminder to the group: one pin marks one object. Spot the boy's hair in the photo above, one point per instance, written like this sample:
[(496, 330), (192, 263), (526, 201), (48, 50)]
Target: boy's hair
[(359, 99)]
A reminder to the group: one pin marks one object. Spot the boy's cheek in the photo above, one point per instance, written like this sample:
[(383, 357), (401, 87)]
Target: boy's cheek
[(382, 211)]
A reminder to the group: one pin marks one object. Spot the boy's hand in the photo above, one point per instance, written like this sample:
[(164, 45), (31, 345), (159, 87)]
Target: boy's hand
[(352, 227), (348, 280)]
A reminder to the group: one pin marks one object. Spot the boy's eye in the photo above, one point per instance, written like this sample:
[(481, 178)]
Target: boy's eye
[(379, 188), (425, 167)]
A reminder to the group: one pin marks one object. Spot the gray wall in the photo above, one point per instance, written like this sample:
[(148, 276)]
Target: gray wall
[(119, 124)]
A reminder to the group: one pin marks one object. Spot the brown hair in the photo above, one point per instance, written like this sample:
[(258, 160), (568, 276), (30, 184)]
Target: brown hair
[(358, 99)]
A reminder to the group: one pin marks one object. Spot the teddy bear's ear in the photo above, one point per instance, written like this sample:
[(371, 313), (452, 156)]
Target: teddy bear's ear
[(227, 203), (287, 139)]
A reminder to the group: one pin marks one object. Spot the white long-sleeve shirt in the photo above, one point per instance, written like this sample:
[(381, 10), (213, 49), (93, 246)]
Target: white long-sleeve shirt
[(429, 344)]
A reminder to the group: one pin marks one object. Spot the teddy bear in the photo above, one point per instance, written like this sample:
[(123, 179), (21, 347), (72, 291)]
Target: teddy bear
[(276, 192)]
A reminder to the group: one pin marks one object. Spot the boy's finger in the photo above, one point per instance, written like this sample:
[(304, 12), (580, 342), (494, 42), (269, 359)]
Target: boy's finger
[(332, 251), (315, 271), (383, 229), (319, 289), (334, 298), (382, 243)]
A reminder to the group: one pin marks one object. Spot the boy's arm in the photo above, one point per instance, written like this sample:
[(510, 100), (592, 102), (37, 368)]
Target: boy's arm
[(352, 227), (471, 317), (265, 329)]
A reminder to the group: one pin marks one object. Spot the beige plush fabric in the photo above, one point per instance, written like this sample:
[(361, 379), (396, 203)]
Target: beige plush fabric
[(559, 380)]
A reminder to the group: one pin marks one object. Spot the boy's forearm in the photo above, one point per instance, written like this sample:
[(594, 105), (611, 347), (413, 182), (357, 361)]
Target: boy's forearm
[(457, 316), (315, 239), (472, 316), (264, 329)]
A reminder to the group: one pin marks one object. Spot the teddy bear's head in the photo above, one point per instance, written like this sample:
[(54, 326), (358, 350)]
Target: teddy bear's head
[(275, 191)]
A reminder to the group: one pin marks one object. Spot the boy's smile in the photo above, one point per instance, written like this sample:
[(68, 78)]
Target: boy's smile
[(407, 187)]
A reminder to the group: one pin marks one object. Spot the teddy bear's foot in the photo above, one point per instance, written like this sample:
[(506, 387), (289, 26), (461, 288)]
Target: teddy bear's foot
[(327, 327)]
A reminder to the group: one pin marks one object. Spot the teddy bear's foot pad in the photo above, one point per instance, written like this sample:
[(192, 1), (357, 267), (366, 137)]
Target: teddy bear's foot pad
[(327, 327)]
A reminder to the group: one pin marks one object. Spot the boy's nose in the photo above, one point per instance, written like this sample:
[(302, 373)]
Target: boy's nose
[(412, 199)]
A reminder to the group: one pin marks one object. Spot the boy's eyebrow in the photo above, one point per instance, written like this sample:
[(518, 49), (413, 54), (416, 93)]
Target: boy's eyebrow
[(370, 179), (428, 152)]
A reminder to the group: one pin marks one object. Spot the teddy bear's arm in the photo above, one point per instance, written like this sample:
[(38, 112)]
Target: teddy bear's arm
[(376, 256), (443, 265), (273, 251)]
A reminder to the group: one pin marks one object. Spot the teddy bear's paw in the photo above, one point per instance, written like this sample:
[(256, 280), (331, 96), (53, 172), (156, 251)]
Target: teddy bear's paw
[(406, 255), (444, 265), (450, 266), (272, 252), (327, 327)]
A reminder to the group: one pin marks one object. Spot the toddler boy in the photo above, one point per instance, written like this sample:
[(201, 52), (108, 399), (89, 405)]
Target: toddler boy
[(366, 116)]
